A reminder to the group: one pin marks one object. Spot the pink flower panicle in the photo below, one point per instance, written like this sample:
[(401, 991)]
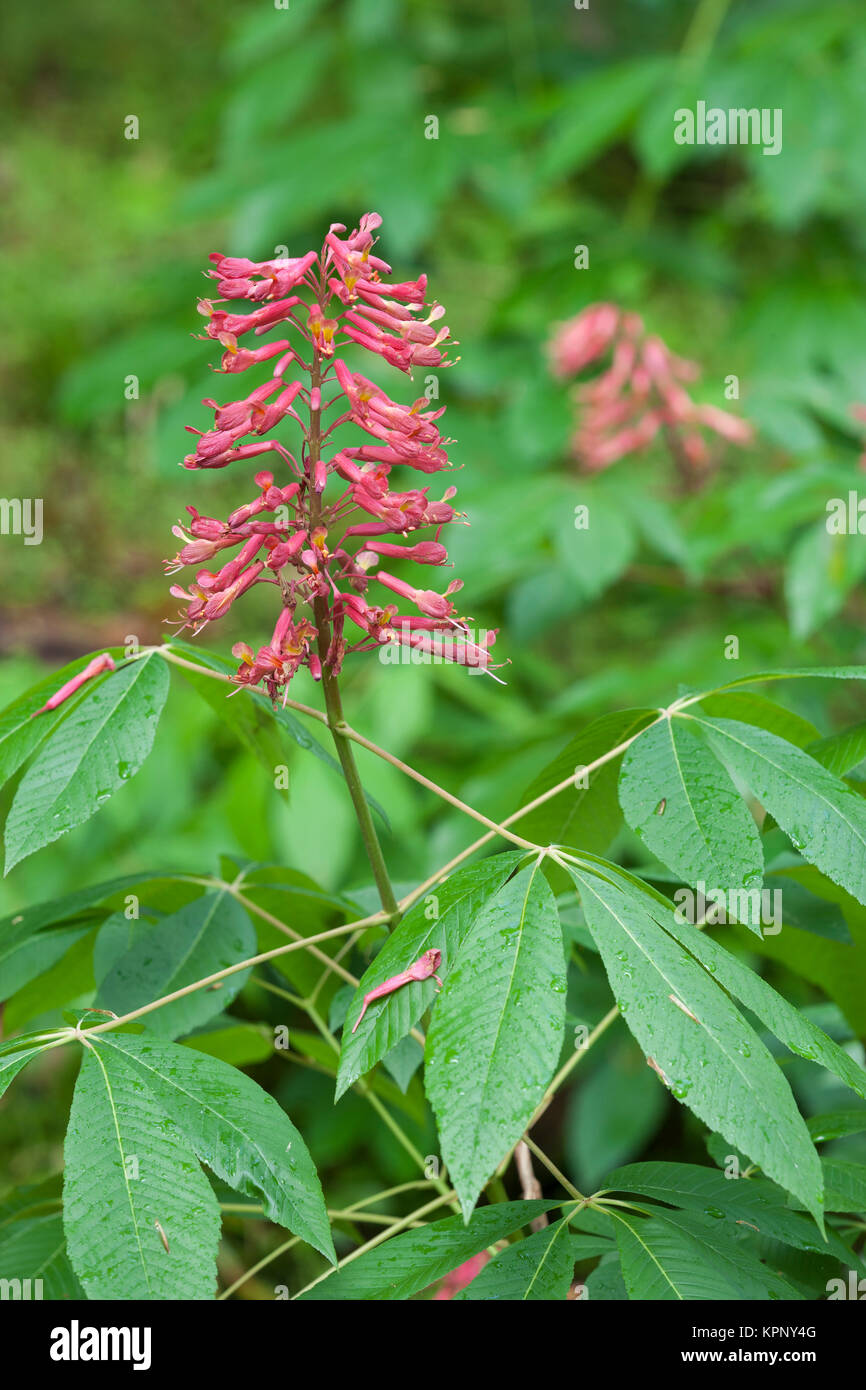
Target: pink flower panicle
[(324, 554), (640, 391)]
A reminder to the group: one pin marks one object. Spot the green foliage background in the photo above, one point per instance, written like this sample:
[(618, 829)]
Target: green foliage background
[(260, 126)]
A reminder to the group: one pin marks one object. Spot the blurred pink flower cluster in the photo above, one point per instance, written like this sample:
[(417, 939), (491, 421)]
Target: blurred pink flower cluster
[(638, 393), (322, 552)]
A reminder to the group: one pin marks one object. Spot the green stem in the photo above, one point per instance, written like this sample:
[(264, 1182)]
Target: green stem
[(703, 31)]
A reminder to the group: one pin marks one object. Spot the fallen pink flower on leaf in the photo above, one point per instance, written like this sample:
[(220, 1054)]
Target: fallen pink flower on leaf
[(423, 968), (92, 669)]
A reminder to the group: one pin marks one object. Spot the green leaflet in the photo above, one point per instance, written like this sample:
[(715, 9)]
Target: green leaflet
[(439, 920), (825, 818), (127, 1168), (22, 960), (840, 753), (837, 1124), (681, 1256), (236, 1128), (747, 1202), (207, 935), (539, 1267), (30, 920), (13, 1062), (846, 1185), (415, 1259), (36, 1249), (402, 1062), (789, 1025), (679, 799), (93, 751), (713, 1059), (587, 817), (832, 673), (496, 1030), (751, 708), (605, 1283)]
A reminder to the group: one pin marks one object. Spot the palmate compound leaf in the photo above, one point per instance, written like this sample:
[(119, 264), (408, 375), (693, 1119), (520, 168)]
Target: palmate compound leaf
[(441, 920), (130, 1179), (205, 936), (415, 1259), (236, 1128), (824, 817), (496, 1030), (679, 799), (712, 1058), (93, 751)]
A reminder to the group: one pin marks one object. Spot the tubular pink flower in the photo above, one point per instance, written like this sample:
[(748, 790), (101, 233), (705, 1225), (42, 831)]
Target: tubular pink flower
[(318, 536)]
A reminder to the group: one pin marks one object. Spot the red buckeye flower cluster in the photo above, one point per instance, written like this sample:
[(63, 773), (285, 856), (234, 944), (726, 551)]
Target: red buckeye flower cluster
[(323, 531), (639, 393)]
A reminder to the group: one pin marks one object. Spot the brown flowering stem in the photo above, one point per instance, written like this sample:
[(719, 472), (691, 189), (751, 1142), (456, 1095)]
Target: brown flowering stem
[(530, 1187)]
